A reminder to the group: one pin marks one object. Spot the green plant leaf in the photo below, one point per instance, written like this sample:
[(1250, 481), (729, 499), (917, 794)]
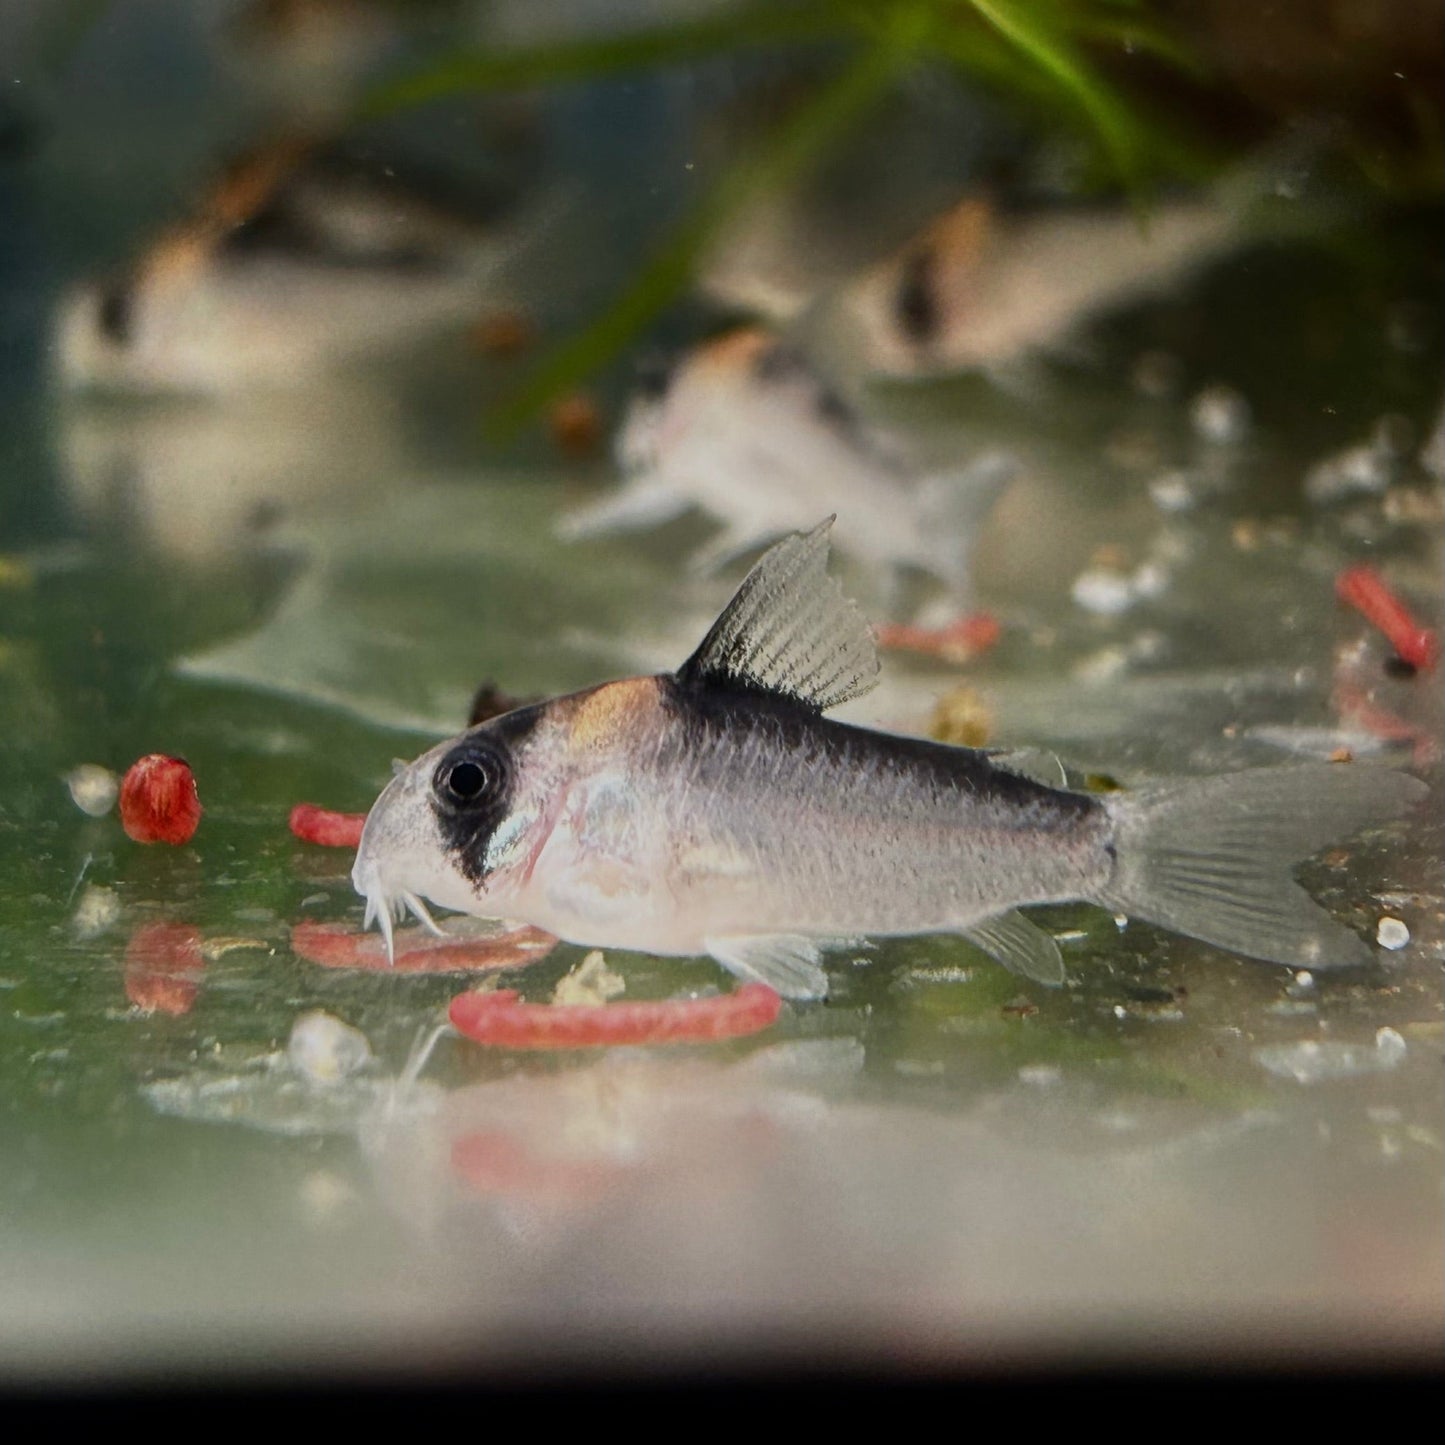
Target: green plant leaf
[(571, 61), (788, 151)]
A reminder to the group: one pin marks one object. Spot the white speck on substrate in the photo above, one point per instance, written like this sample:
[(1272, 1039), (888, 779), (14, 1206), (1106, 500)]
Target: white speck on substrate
[(1103, 590), (1391, 933), (1041, 1076), (1173, 492), (1314, 1062), (1220, 414)]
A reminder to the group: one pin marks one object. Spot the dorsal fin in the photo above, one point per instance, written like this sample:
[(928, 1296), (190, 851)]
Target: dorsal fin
[(789, 631)]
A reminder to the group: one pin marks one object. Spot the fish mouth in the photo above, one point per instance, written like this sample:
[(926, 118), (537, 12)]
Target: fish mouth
[(388, 902), (386, 909)]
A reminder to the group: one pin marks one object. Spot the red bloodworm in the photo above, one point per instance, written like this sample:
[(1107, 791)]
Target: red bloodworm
[(163, 967), (158, 800), (957, 641), (332, 946), (502, 1019), (1370, 595), (331, 830)]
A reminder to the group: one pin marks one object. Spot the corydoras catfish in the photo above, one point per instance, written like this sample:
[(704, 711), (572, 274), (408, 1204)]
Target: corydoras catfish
[(717, 810), (746, 430)]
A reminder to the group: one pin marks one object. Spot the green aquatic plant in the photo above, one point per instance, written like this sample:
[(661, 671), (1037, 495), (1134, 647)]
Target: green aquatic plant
[(1045, 55)]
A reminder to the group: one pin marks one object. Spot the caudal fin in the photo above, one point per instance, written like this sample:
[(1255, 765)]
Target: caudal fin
[(1213, 857)]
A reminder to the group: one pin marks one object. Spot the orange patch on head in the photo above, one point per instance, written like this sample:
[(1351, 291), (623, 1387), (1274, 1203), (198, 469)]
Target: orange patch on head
[(611, 709), (959, 236), (735, 350)]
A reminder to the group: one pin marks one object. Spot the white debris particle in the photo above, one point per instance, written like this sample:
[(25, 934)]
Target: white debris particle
[(1102, 666), (1220, 414), (1391, 1046), (1304, 979), (326, 1050), (1041, 1076), (590, 983), (1107, 591), (1173, 492), (1150, 580), (1120, 1012), (1314, 1062), (1103, 590), (97, 910), (941, 973), (1391, 933), (93, 789)]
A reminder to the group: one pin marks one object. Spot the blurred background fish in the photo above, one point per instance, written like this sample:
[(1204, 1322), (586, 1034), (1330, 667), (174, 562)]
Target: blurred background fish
[(301, 259), (745, 430)]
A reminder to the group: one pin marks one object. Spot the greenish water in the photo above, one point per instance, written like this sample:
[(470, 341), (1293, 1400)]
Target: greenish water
[(292, 590)]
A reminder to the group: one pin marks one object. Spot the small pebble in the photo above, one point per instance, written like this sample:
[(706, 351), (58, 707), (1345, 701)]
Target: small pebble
[(93, 789), (1220, 414), (1391, 933), (324, 1049)]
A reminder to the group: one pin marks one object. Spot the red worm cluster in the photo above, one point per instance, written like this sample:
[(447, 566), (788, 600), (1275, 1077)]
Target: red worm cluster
[(332, 945), (158, 800), (502, 1019), (957, 642), (1370, 595), (331, 830)]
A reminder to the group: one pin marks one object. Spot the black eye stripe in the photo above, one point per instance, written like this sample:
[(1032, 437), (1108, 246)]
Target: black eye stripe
[(472, 787)]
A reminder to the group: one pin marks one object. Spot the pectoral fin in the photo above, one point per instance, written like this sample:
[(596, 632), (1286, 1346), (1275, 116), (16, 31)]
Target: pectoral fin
[(1022, 948), (789, 963)]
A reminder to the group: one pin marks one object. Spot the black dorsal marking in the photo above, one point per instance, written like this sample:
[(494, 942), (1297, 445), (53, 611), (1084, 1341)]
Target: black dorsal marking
[(915, 302)]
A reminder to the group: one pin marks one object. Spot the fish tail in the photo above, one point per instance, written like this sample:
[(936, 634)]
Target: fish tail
[(1213, 857)]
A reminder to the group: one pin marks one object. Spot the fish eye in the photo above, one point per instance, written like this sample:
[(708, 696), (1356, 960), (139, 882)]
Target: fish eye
[(466, 780), (467, 777)]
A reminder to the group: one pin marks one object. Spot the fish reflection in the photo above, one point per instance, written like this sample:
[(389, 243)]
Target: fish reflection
[(298, 260)]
